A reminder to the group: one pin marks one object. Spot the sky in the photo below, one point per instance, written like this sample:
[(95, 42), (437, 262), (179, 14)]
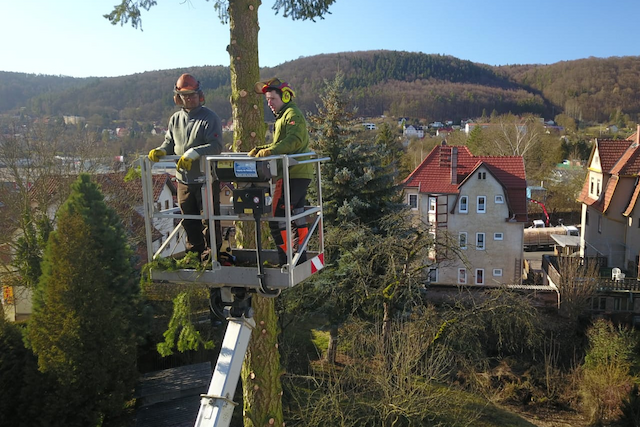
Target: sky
[(71, 37)]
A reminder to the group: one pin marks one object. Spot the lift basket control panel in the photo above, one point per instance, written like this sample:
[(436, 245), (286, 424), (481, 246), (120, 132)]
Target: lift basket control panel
[(251, 170)]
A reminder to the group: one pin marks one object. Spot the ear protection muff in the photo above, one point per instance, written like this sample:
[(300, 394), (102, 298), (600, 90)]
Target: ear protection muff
[(287, 94)]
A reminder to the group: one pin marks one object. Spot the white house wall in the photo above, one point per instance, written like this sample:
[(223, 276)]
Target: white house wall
[(505, 255)]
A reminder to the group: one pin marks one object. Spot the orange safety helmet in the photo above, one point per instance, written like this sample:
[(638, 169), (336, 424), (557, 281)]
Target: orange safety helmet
[(185, 85)]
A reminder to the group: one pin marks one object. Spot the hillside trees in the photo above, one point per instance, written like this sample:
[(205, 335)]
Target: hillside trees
[(262, 403), (82, 328), (510, 135)]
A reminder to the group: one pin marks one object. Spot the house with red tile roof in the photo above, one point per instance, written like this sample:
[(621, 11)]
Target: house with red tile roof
[(610, 212), (476, 207)]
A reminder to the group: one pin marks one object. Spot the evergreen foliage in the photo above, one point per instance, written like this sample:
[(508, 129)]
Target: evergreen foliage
[(359, 182), (29, 249), (82, 328), (188, 337), (12, 361)]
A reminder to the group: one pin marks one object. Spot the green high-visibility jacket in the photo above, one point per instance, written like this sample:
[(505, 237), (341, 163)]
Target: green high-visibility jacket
[(290, 136)]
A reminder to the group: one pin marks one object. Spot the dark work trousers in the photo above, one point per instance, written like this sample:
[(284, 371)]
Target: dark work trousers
[(299, 230), (190, 202)]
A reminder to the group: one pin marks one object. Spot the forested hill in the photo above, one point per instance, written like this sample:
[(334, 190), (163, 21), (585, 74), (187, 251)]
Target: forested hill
[(433, 87)]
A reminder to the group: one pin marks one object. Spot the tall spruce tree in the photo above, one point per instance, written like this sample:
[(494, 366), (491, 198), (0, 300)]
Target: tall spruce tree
[(82, 328), (375, 251), (359, 182)]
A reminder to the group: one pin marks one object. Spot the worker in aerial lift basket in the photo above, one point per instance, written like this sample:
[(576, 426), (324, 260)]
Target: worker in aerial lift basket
[(290, 136), (194, 131)]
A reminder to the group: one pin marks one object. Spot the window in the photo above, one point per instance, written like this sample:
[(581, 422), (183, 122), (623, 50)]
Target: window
[(599, 303), (462, 239), (166, 204), (598, 188), (480, 241), (499, 199), (593, 183), (432, 204), (227, 192), (413, 201), (498, 236), (482, 204), (622, 304), (464, 204), (497, 272), (462, 276), (433, 275), (479, 276), (482, 175), (159, 206)]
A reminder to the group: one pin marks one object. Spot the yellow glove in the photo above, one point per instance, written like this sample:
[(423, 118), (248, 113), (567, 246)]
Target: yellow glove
[(187, 159), (156, 153), (253, 152), (265, 152), (184, 163)]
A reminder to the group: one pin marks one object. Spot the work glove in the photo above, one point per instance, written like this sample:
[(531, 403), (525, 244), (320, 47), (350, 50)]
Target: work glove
[(156, 153), (265, 152), (187, 159), (253, 152)]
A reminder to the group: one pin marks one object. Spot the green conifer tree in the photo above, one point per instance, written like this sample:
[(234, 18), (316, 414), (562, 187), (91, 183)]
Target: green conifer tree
[(359, 182), (82, 328), (12, 355)]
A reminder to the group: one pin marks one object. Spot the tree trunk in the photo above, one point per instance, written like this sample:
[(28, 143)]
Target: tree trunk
[(386, 332), (332, 349), (246, 105), (262, 390)]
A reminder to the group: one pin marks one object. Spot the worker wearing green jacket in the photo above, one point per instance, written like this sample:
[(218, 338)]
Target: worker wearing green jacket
[(290, 136)]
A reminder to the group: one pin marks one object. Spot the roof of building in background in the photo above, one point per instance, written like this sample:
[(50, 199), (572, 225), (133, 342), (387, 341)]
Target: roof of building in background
[(618, 159)]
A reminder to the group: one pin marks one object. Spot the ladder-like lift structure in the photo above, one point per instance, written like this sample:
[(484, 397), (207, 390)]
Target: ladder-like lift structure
[(252, 273)]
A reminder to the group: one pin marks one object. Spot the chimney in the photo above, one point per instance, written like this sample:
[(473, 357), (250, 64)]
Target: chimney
[(454, 165)]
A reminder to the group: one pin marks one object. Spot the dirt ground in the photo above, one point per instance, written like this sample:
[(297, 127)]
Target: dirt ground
[(550, 418)]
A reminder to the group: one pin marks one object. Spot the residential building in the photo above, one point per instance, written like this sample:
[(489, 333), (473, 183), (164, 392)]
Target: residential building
[(610, 212), (411, 131), (476, 207)]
